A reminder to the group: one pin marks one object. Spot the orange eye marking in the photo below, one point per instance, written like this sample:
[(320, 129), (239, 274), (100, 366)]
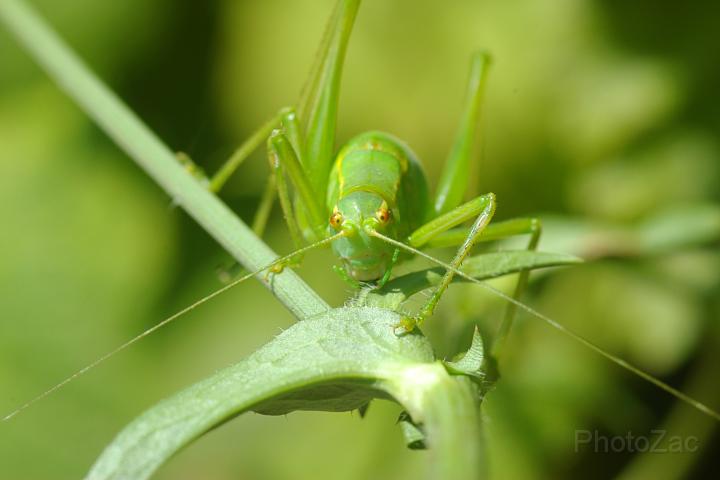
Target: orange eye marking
[(383, 214), (336, 219)]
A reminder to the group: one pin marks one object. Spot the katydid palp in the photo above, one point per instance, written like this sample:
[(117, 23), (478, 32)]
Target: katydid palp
[(371, 200)]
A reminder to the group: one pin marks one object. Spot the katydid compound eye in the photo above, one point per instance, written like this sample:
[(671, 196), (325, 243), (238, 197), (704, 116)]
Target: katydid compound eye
[(383, 215), (336, 220)]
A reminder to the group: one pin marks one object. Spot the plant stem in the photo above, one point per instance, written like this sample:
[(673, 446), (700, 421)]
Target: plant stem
[(140, 143), (445, 406)]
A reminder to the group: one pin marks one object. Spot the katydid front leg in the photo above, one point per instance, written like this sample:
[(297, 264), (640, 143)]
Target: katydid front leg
[(285, 165), (228, 168)]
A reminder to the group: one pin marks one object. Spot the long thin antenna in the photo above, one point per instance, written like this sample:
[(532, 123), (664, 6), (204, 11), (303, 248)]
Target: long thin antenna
[(616, 360), (168, 320)]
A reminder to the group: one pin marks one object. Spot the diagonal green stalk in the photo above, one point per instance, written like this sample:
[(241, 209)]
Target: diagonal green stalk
[(138, 141)]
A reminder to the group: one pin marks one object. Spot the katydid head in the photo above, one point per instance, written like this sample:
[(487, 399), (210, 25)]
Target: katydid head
[(358, 214)]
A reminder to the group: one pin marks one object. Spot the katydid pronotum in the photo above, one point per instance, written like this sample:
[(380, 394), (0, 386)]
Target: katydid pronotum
[(370, 201)]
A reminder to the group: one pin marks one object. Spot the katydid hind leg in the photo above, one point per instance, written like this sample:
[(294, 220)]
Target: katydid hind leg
[(534, 230), (287, 120), (317, 108), (456, 172)]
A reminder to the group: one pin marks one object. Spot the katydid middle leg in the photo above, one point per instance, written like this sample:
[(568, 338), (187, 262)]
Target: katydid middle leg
[(228, 168), (483, 208), (498, 231)]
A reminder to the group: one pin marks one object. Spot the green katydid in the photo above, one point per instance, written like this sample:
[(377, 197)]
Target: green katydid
[(370, 202), (374, 186)]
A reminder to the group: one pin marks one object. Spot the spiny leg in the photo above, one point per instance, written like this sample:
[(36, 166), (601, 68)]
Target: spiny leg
[(287, 120), (285, 166), (452, 187), (314, 144), (233, 269), (342, 273), (484, 208), (218, 180), (498, 231), (456, 172), (278, 172), (317, 108), (388, 271)]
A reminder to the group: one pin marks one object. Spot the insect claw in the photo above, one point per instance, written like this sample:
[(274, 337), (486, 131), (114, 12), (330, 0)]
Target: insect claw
[(192, 168), (279, 267), (274, 270), (406, 325)]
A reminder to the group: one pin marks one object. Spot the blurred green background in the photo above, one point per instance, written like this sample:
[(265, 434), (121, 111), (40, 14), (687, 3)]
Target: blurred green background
[(601, 117)]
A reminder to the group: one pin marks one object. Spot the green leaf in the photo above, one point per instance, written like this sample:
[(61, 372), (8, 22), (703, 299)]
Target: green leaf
[(481, 267), (680, 227), (337, 361), (414, 436), (471, 362)]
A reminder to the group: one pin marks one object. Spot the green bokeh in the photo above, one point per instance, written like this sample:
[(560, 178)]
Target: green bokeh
[(599, 115)]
